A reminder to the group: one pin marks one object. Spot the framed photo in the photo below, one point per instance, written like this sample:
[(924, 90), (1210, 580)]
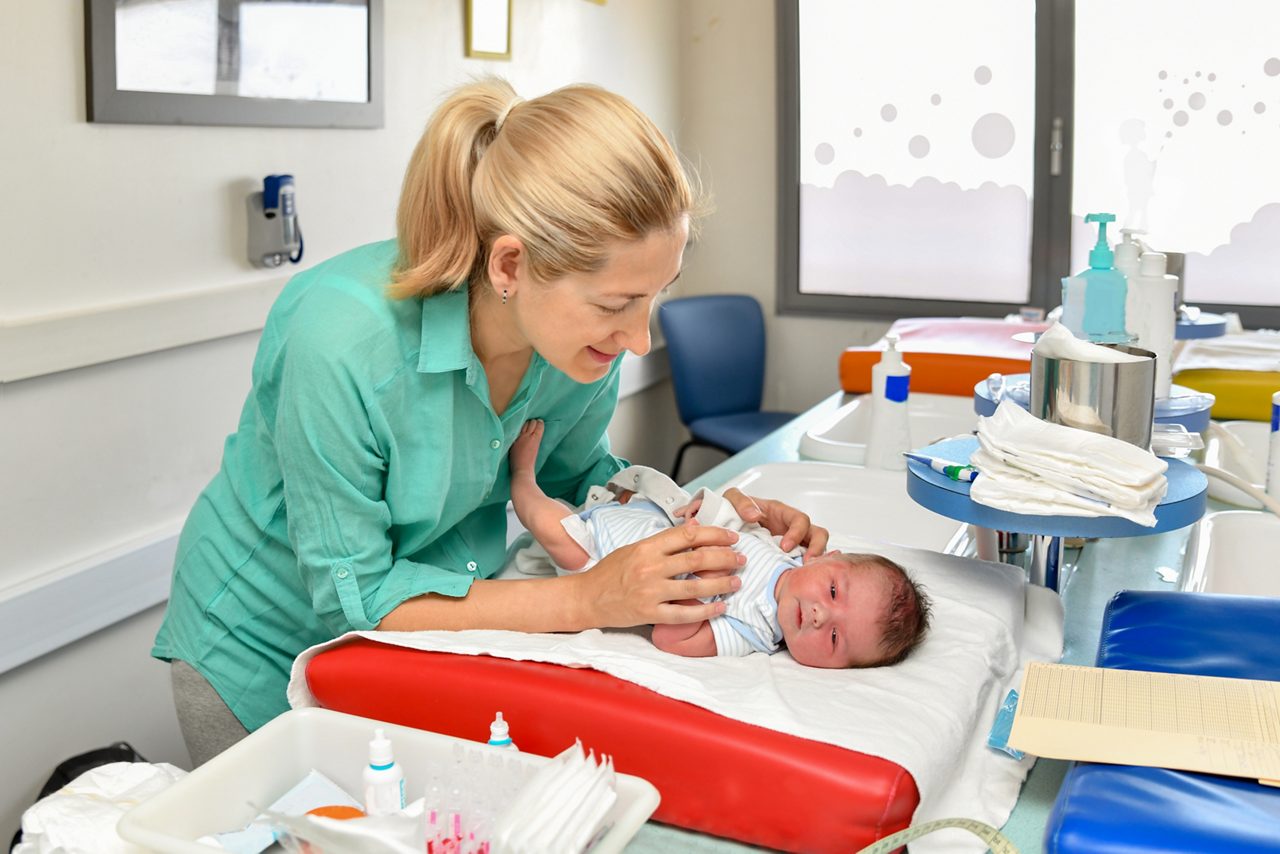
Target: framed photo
[(488, 30), (267, 63)]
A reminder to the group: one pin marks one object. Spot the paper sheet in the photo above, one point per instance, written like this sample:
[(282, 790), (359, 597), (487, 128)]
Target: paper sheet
[(1164, 720)]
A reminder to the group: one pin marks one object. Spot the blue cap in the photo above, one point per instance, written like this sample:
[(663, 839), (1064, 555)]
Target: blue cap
[(1100, 256)]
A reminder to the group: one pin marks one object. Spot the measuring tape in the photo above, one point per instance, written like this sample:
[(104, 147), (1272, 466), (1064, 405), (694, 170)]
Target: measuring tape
[(996, 841)]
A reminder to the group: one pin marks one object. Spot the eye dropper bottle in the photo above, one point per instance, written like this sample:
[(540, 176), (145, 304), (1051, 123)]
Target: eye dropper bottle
[(500, 734), (383, 778)]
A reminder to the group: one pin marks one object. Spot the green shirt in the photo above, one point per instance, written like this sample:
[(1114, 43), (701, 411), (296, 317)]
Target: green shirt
[(368, 467)]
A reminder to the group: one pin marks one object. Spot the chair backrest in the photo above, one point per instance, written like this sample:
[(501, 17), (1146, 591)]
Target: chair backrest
[(716, 348)]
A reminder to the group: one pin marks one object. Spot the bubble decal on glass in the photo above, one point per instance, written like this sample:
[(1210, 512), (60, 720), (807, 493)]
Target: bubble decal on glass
[(857, 131), (936, 99), (1180, 118), (993, 135), (1212, 77), (1196, 101), (1168, 103), (1259, 107), (1163, 75), (1224, 118), (824, 153), (888, 112), (1271, 67), (918, 146), (982, 74)]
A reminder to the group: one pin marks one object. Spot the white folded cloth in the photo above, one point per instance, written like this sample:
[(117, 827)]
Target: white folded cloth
[(1057, 342), (1041, 469), (1245, 351)]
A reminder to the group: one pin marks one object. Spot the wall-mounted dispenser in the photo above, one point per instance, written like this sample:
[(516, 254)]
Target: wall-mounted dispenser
[(274, 233)]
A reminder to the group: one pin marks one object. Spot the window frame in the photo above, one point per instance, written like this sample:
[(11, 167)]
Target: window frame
[(1050, 193)]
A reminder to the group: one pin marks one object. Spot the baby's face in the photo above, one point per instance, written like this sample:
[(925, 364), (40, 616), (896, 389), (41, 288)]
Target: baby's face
[(830, 612)]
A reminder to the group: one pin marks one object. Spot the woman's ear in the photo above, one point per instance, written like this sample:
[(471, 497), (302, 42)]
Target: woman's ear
[(506, 264)]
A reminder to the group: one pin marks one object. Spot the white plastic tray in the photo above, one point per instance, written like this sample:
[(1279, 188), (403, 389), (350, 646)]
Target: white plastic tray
[(219, 795)]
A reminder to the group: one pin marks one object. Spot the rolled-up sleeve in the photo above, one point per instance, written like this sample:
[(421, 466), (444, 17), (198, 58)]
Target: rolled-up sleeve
[(334, 472)]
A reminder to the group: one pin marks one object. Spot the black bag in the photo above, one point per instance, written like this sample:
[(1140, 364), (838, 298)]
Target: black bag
[(72, 768)]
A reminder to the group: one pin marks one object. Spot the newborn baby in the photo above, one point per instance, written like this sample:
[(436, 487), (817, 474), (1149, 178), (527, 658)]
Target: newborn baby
[(837, 610)]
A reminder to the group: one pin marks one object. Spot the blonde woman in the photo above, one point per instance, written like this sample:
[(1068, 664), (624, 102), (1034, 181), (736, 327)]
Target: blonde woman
[(366, 485)]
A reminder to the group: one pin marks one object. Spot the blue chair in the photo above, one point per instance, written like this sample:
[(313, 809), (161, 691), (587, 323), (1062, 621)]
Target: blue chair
[(716, 348)]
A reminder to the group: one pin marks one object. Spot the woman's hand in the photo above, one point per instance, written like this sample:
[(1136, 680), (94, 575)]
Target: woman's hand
[(638, 584), (783, 520)]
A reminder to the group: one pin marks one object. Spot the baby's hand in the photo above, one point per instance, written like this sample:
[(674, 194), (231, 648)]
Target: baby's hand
[(688, 511), (524, 450)]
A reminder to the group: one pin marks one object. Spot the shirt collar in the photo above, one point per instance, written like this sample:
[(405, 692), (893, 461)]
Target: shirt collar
[(446, 333)]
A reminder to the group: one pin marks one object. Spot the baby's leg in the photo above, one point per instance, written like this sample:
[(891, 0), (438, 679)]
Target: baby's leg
[(538, 512)]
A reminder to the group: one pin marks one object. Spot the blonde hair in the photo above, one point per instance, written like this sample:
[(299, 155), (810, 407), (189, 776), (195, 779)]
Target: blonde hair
[(568, 173)]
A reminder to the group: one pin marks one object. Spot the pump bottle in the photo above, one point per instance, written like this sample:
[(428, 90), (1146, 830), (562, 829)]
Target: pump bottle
[(383, 778), (1153, 315), (890, 434), (1093, 301), (500, 734)]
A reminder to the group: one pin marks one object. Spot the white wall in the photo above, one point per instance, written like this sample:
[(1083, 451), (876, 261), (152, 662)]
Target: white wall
[(106, 228)]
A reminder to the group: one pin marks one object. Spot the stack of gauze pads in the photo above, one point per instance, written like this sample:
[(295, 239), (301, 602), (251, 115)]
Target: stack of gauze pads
[(561, 808)]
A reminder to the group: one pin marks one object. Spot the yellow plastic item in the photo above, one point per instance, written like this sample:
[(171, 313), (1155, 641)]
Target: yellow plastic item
[(1241, 395)]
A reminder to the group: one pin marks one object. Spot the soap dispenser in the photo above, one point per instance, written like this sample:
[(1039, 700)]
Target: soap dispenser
[(1128, 252), (1153, 314), (1093, 302), (890, 434)]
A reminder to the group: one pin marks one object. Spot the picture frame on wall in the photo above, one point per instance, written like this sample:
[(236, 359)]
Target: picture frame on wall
[(488, 29), (265, 63)]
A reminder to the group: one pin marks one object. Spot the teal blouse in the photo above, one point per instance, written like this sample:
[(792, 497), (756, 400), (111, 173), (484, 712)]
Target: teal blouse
[(368, 468)]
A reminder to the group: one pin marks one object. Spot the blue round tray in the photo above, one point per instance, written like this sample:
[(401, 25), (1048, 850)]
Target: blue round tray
[(1183, 504), (1195, 420), (1205, 326)]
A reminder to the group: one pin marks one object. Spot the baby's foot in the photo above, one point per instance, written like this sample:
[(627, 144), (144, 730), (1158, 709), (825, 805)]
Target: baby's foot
[(524, 450)]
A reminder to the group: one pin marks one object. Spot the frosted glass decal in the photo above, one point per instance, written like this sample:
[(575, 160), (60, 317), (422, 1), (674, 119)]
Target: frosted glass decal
[(916, 134), (1173, 134)]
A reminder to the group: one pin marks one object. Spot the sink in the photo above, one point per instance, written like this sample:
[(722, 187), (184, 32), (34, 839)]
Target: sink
[(1233, 551), (1243, 452), (842, 438), (867, 503)]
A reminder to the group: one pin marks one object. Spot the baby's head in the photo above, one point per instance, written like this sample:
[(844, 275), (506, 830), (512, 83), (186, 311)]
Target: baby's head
[(850, 610)]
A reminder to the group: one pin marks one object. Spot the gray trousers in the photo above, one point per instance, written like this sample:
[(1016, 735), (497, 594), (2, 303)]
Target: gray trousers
[(208, 726)]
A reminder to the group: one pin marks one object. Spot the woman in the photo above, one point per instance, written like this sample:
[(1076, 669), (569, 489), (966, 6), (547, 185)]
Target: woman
[(367, 482)]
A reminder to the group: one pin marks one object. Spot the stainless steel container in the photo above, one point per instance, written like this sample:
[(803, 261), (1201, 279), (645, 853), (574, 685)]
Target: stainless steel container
[(1112, 398)]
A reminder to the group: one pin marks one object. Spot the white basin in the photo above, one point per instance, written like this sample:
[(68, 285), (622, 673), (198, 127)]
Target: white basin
[(1242, 452), (842, 438), (1234, 551), (869, 503)]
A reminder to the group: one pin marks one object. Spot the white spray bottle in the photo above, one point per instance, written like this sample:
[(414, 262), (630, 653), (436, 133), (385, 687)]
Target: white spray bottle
[(383, 778), (890, 434)]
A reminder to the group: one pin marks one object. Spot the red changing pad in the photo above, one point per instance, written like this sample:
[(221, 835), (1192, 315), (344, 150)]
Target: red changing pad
[(716, 775)]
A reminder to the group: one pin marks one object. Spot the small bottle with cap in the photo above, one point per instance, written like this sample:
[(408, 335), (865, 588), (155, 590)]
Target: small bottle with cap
[(889, 435), (500, 734), (383, 778)]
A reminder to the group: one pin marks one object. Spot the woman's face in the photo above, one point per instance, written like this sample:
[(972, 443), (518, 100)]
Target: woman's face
[(583, 322)]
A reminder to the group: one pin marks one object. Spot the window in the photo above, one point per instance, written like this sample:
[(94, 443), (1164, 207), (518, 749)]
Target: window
[(918, 172)]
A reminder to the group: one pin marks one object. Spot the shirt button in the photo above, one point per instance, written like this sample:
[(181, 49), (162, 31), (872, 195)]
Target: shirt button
[(472, 566), (495, 444), (343, 572), (670, 500)]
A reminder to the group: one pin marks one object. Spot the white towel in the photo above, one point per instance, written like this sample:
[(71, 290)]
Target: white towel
[(930, 714), (1031, 466), (1057, 342), (1244, 351)]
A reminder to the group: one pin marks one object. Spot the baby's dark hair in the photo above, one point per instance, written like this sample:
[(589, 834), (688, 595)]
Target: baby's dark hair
[(906, 620)]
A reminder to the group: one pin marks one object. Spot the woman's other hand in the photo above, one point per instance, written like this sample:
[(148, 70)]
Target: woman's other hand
[(795, 528), (640, 583)]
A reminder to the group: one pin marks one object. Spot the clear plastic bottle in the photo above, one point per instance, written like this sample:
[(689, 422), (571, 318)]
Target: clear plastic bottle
[(890, 433), (383, 778)]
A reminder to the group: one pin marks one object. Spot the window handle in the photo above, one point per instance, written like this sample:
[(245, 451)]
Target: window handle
[(1055, 148)]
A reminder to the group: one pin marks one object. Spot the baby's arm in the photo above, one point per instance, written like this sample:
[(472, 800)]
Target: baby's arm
[(537, 511), (692, 640)]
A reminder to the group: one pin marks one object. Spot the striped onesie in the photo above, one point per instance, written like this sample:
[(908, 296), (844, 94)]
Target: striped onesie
[(750, 622)]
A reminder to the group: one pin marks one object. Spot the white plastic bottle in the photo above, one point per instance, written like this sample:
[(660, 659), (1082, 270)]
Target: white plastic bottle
[(1153, 313), (1273, 451), (383, 779), (500, 734), (890, 433)]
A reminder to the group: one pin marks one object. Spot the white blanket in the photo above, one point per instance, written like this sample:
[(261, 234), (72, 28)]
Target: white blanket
[(930, 714)]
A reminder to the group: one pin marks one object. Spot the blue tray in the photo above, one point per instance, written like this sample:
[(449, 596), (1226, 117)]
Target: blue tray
[(1205, 326), (1183, 504)]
